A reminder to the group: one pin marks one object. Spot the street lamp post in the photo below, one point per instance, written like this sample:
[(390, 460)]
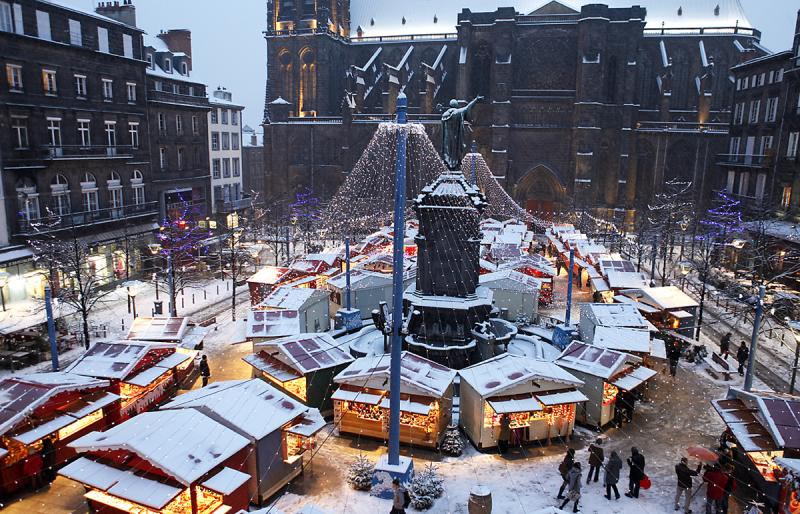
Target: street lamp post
[(132, 293), (794, 326), (155, 248), (4, 276)]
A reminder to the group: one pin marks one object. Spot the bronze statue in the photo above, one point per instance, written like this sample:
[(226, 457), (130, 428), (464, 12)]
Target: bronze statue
[(453, 137)]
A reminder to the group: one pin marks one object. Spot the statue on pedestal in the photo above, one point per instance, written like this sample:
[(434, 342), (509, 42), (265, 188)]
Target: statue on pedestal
[(453, 136)]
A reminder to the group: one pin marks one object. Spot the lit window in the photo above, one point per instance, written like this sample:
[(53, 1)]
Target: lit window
[(14, 77), (49, 82), (786, 198)]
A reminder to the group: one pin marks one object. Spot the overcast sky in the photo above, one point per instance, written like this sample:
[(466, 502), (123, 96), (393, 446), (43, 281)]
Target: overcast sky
[(228, 48)]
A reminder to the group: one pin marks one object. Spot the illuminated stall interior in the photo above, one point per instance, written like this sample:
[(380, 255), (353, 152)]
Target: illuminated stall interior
[(361, 402)]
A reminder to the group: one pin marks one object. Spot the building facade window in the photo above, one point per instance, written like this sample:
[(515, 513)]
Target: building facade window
[(28, 198), (168, 65), (108, 90), (226, 168), (162, 158), (54, 131), (127, 46), (735, 142), (226, 141), (744, 183), (214, 115), (19, 132), (215, 141), (84, 133), (137, 184), (111, 134), (179, 124), (738, 113), (791, 148), (102, 39), (196, 125), (215, 168), (786, 198), (49, 84), (6, 18), (779, 75), (14, 77), (89, 193), (180, 158), (43, 25), (75, 36), (131, 89), (755, 108), (80, 86), (234, 141), (237, 170), (162, 124), (59, 189), (772, 110), (234, 118), (224, 116), (115, 195), (133, 132)]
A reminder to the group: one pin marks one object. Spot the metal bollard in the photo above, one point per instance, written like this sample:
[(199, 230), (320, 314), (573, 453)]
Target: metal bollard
[(182, 305), (192, 298), (205, 296)]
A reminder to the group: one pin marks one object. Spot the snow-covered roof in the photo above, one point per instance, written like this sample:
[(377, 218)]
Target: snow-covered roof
[(226, 481), (89, 12), (184, 443), (268, 275), (626, 279), (113, 360), (158, 329), (293, 298), (252, 407), (418, 375), (498, 374), (510, 279), (306, 352), (361, 279), (785, 230), (662, 298), (614, 315), (632, 380), (535, 261), (622, 339), (779, 413), (593, 360), (276, 323), (21, 395)]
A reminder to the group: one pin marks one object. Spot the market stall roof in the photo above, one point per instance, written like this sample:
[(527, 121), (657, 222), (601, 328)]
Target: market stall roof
[(264, 362), (269, 275), (534, 261), (519, 403), (642, 307), (250, 407), (662, 298), (349, 395), (21, 395), (561, 398), (493, 376), (314, 262), (184, 443), (408, 405), (174, 360), (306, 353), (158, 329), (626, 279), (418, 375), (741, 419), (361, 279), (594, 360), (612, 265), (510, 280), (778, 412), (624, 339), (274, 323), (308, 425), (292, 298), (226, 481), (113, 360), (632, 380), (614, 315), (147, 376)]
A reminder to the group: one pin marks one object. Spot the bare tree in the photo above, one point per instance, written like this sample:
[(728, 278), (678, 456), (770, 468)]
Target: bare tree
[(236, 254), (669, 212)]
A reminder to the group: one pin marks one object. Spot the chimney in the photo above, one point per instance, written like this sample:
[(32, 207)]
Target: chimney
[(253, 139), (124, 12), (179, 40)]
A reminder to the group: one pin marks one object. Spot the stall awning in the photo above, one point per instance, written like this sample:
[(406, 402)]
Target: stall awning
[(639, 305), (600, 285), (634, 379), (562, 398), (752, 437), (226, 481), (91, 473), (43, 430), (263, 362), (508, 406), (173, 361), (681, 314), (147, 377), (409, 406), (733, 411), (309, 425), (356, 396), (103, 401)]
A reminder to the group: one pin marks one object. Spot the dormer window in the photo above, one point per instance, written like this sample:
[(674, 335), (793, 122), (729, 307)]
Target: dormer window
[(184, 68), (168, 65), (150, 61)]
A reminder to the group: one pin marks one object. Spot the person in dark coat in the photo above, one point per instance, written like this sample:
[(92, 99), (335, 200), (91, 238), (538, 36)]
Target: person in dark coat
[(49, 459), (636, 473), (505, 434), (626, 400), (574, 482), (728, 468), (596, 458), (716, 481), (563, 469), (398, 497), (205, 371), (685, 474), (741, 357), (611, 477), (725, 346), (674, 356)]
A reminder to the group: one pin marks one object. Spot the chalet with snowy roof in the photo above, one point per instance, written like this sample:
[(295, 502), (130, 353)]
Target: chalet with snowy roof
[(620, 327), (539, 397), (176, 330), (264, 281), (166, 461), (515, 294), (536, 266), (58, 407), (289, 311), (302, 366), (280, 429), (142, 373), (668, 308), (603, 373), (367, 290), (762, 426), (361, 402)]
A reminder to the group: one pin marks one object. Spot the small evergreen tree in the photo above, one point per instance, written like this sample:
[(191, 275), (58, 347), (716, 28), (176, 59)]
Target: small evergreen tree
[(426, 486), (452, 443), (360, 474)]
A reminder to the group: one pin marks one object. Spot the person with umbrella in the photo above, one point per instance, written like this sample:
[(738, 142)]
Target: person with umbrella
[(741, 357), (684, 474)]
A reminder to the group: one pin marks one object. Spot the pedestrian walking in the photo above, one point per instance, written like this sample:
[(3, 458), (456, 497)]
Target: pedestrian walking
[(674, 356), (729, 469), (505, 434), (400, 499), (596, 458), (574, 483), (685, 474), (563, 469), (715, 481), (635, 473), (49, 459), (725, 346), (613, 469), (205, 371), (741, 356)]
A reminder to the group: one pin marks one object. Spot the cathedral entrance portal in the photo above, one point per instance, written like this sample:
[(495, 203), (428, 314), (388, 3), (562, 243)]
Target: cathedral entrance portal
[(540, 192)]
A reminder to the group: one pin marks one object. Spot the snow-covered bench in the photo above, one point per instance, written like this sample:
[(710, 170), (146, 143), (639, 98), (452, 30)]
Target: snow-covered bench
[(718, 367)]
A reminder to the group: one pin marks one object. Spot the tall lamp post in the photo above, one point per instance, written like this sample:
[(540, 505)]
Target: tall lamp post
[(794, 326), (4, 276), (155, 248)]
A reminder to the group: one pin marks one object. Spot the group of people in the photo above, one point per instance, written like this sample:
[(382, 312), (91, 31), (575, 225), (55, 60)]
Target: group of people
[(742, 354), (719, 480), (571, 474)]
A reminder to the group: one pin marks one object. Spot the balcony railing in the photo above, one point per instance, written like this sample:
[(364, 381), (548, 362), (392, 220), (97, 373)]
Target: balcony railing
[(70, 152), (747, 160), (53, 223), (170, 97), (223, 207)]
